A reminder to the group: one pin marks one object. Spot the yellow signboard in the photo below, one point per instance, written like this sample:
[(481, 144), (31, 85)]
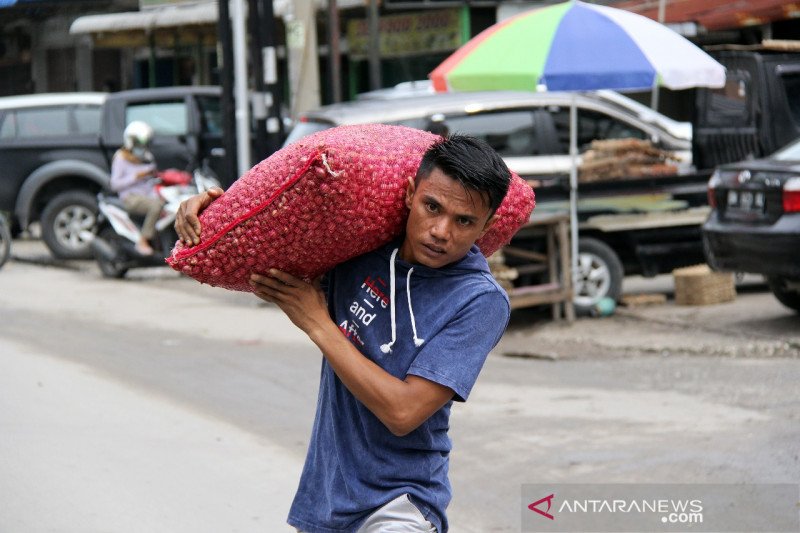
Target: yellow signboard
[(407, 35)]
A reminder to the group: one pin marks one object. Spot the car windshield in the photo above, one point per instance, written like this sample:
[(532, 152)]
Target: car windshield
[(788, 153), (303, 129)]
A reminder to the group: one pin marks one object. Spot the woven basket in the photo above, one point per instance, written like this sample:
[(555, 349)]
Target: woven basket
[(699, 285)]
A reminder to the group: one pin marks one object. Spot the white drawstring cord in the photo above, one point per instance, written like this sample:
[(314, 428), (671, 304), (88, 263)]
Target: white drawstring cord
[(417, 341), (386, 348)]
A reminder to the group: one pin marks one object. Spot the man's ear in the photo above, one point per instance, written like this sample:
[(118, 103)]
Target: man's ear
[(489, 224), (410, 191)]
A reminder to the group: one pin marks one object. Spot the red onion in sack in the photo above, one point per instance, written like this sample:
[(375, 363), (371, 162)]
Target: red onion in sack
[(320, 201)]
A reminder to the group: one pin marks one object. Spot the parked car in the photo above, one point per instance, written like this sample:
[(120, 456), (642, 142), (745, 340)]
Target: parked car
[(530, 130), (640, 225), (56, 150), (754, 225)]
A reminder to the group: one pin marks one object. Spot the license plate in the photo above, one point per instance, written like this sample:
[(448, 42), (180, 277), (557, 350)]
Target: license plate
[(746, 200)]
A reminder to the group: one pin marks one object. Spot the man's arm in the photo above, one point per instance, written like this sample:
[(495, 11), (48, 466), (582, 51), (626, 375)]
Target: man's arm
[(402, 405)]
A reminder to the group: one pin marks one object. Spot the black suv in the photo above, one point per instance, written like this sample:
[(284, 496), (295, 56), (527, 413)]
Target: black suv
[(754, 225), (56, 150)]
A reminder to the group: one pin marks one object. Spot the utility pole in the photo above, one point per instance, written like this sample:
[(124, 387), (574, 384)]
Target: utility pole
[(243, 156), (254, 21), (274, 94), (374, 46), (662, 9), (334, 56), (225, 67)]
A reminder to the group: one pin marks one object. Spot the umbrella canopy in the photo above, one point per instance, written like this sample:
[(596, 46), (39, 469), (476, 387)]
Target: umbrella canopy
[(574, 46)]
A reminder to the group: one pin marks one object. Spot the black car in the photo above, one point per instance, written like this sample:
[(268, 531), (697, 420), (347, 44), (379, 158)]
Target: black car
[(56, 151), (754, 225)]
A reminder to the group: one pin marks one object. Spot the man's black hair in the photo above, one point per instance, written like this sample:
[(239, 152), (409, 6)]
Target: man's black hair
[(471, 162)]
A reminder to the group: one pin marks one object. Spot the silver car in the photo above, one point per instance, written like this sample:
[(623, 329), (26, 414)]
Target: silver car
[(529, 130)]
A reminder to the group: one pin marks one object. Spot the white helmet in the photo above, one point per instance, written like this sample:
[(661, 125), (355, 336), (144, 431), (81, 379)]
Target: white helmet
[(137, 134)]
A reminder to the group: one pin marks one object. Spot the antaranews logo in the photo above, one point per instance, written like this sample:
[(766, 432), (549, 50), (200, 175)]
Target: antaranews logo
[(634, 507), (534, 506)]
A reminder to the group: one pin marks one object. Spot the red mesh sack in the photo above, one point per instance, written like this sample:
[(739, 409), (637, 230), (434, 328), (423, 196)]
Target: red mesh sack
[(321, 201)]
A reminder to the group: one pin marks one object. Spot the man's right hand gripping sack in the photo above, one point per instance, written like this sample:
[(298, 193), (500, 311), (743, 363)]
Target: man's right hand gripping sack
[(319, 202)]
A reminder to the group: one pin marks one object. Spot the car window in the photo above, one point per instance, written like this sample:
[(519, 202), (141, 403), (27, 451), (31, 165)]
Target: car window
[(728, 104), (592, 125), (166, 118), (510, 133), (8, 128), (791, 87), (42, 122), (211, 114), (304, 128), (87, 119)]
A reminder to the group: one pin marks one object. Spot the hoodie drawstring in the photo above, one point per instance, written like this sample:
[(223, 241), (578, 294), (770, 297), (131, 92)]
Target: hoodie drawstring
[(387, 348)]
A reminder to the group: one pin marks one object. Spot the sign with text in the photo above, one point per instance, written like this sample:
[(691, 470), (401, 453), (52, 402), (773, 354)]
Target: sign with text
[(656, 508), (410, 34)]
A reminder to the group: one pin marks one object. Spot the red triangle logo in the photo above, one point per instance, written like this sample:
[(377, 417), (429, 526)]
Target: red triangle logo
[(546, 514)]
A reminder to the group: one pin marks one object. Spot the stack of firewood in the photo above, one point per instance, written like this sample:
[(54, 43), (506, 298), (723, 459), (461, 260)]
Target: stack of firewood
[(503, 274), (620, 159)]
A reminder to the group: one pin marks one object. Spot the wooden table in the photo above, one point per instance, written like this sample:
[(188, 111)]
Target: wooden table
[(557, 291)]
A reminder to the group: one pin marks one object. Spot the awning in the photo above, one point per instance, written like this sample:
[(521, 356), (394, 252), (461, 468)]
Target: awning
[(151, 19), (716, 14), (173, 15)]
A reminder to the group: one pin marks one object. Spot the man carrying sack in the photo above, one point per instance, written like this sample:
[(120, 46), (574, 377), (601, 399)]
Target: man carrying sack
[(404, 331)]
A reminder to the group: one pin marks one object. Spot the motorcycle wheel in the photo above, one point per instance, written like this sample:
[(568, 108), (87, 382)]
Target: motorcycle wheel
[(113, 269), (5, 240)]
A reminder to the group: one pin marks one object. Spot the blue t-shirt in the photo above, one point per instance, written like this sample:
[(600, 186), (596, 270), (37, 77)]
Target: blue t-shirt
[(354, 463)]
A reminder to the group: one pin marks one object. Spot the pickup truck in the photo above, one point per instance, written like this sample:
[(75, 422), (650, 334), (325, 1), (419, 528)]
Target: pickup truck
[(56, 150)]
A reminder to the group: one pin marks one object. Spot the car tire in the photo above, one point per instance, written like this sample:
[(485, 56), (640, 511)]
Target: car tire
[(63, 220), (600, 275), (788, 297)]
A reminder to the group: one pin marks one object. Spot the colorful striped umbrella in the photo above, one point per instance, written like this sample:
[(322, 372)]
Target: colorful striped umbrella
[(574, 46)]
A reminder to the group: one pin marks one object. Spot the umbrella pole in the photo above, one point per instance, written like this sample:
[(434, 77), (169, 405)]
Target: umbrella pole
[(573, 189)]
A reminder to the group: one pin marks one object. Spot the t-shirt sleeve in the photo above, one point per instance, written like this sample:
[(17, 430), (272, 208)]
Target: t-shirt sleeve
[(455, 355)]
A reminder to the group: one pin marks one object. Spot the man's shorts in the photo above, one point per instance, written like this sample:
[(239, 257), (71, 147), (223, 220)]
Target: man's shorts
[(397, 516)]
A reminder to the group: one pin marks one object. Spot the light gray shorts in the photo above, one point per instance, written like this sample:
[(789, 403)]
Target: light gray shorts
[(397, 516)]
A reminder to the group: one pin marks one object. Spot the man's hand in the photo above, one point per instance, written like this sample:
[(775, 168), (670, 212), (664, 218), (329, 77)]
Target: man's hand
[(186, 222), (304, 303), (402, 405)]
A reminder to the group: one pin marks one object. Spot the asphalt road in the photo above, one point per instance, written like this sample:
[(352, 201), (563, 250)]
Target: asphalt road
[(158, 404)]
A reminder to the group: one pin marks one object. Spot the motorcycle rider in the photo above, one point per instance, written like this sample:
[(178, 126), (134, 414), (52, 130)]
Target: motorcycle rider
[(133, 169)]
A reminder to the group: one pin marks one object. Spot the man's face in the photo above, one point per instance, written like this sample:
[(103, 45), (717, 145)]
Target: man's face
[(445, 219)]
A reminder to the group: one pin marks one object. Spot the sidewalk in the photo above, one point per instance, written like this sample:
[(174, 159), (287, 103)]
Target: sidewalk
[(754, 325)]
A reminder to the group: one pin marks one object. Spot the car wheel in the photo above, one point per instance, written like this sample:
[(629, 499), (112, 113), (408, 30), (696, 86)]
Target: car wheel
[(64, 222), (786, 291), (111, 268), (599, 275)]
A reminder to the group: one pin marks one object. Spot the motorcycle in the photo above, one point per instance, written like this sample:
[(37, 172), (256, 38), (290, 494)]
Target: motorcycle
[(114, 246)]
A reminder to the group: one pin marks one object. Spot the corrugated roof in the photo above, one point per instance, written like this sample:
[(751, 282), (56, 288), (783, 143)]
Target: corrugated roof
[(715, 14)]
